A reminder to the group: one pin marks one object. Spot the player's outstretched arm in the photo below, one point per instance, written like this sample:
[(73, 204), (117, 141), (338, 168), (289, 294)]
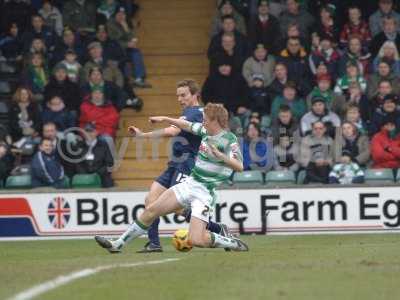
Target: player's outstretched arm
[(180, 123), (159, 133)]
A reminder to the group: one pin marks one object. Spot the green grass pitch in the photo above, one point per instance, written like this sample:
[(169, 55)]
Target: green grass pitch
[(285, 267)]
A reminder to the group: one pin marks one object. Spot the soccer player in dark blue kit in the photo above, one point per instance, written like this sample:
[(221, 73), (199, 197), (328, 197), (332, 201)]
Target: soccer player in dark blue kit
[(184, 151)]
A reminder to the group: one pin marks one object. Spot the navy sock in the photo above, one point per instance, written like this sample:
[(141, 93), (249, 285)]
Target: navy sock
[(214, 227), (153, 232)]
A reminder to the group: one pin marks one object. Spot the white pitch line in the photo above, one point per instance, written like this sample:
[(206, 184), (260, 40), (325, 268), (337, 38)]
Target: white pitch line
[(64, 279)]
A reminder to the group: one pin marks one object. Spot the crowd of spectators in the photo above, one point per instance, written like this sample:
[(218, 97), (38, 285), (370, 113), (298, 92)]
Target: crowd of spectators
[(66, 64), (317, 82)]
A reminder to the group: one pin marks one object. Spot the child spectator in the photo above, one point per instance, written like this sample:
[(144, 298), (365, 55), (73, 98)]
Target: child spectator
[(385, 146), (390, 55), (57, 113), (73, 67), (289, 98), (352, 76), (255, 149), (46, 170), (354, 142), (316, 154), (36, 76), (260, 63), (346, 172), (286, 154), (355, 26)]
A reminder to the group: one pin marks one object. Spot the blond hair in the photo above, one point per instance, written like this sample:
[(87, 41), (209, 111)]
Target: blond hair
[(194, 88), (218, 112)]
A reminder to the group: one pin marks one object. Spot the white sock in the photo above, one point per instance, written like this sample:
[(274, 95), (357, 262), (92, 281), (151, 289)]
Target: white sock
[(219, 241), (134, 230)]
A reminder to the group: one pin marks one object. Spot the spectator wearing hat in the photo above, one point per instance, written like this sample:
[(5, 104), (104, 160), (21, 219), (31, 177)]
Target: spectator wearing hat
[(346, 171), (46, 169), (389, 109), (352, 75), (385, 146), (96, 156), (56, 112), (296, 60), (227, 87), (80, 15), (52, 16), (289, 98), (295, 14), (286, 154), (98, 110), (111, 91), (334, 102), (259, 101), (225, 8), (355, 26), (285, 124), (228, 28), (386, 10), (110, 68), (319, 112), (356, 55), (316, 154), (260, 63), (264, 28), (355, 143), (384, 72), (69, 41), (60, 85), (119, 27), (390, 55), (390, 33), (327, 55)]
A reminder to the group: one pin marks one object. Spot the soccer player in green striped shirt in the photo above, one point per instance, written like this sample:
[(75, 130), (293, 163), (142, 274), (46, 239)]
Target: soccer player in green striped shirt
[(218, 156)]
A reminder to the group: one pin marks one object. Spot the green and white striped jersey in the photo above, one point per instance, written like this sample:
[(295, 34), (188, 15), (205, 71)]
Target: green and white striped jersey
[(209, 170)]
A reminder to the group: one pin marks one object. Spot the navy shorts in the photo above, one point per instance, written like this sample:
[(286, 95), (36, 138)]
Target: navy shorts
[(173, 175)]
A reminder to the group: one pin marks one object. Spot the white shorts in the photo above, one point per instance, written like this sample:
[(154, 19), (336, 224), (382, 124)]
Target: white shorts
[(194, 195)]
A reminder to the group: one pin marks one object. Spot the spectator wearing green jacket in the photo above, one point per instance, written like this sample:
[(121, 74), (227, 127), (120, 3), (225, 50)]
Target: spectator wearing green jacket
[(289, 98)]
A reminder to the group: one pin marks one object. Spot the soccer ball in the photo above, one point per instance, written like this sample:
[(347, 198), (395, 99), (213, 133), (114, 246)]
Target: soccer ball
[(180, 240)]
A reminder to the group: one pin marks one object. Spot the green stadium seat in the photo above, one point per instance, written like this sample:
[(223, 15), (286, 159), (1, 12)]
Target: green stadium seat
[(86, 181), (379, 176), (66, 184), (19, 182), (301, 177), (279, 178), (248, 177)]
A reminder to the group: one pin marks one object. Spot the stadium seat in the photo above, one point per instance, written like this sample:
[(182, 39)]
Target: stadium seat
[(379, 176), (301, 177), (248, 177), (19, 182), (279, 178), (86, 181), (66, 183)]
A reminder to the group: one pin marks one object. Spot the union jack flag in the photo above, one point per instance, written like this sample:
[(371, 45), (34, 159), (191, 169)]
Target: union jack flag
[(59, 212)]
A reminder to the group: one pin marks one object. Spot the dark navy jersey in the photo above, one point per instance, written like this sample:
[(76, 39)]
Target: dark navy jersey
[(185, 145)]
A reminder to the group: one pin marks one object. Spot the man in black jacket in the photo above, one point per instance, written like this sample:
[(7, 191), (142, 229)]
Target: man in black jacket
[(96, 156)]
